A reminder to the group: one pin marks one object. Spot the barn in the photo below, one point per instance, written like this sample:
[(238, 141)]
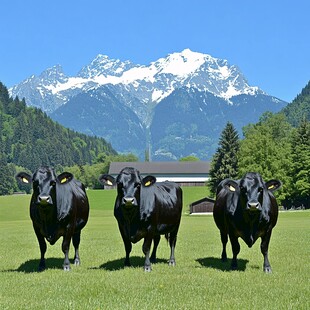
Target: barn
[(201, 206), (185, 173)]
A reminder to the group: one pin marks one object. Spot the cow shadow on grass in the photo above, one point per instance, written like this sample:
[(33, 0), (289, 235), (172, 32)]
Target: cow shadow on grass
[(32, 265), (216, 263), (118, 264)]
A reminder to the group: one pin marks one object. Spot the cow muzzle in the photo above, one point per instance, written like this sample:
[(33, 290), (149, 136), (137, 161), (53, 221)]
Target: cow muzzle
[(44, 200), (254, 206), (129, 201)]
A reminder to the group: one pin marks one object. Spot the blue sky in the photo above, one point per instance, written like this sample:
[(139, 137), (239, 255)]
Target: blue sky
[(267, 39)]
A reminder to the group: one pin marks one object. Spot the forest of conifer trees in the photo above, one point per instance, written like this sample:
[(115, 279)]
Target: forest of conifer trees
[(29, 139)]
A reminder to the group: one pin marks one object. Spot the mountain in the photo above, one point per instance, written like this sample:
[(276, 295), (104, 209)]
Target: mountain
[(101, 114), (131, 105), (190, 122)]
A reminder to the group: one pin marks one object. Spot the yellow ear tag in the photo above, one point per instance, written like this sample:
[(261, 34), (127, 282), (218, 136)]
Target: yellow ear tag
[(63, 180), (25, 180), (231, 188), (271, 186), (108, 182), (148, 183)]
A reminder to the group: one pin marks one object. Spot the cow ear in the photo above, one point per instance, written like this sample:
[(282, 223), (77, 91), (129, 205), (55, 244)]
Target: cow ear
[(65, 177), (24, 177), (273, 185), (107, 179), (148, 180), (231, 185)]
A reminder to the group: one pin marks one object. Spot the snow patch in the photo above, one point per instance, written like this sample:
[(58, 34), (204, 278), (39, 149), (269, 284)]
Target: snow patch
[(182, 64), (225, 72), (158, 95), (72, 82)]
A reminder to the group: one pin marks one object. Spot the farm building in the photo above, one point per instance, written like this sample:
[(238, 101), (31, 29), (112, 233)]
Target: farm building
[(201, 206), (185, 173)]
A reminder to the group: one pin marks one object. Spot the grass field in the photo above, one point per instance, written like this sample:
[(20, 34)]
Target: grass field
[(198, 281)]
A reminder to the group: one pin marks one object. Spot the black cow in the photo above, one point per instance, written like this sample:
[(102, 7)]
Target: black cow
[(58, 207), (146, 209), (246, 208)]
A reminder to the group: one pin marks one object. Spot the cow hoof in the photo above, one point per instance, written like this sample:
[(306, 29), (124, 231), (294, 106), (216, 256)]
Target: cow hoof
[(171, 263), (67, 268), (147, 268), (127, 263), (41, 268), (267, 269), (41, 265), (234, 267), (77, 262)]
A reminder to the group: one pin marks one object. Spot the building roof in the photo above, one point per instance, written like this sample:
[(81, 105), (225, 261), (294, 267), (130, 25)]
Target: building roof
[(164, 168)]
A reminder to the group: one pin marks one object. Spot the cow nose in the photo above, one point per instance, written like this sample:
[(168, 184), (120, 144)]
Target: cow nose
[(44, 199), (128, 201), (253, 205)]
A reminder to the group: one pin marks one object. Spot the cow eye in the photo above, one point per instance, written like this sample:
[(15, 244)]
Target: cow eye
[(52, 183), (260, 189), (137, 184)]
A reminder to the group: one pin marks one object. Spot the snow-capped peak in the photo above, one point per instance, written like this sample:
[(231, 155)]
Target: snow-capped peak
[(180, 64), (53, 76), (147, 83), (103, 65)]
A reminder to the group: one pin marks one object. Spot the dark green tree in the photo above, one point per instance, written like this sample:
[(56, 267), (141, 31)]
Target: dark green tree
[(224, 163), (4, 97), (6, 177), (301, 165)]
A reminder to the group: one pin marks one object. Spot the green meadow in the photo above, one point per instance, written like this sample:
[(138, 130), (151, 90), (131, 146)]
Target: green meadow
[(198, 281)]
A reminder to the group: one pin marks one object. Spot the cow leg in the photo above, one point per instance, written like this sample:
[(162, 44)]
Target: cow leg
[(156, 242), (264, 249), (224, 238), (128, 246), (172, 242), (43, 247), (76, 242), (65, 249), (146, 250), (235, 249)]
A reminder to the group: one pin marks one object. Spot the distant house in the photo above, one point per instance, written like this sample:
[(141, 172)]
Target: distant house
[(185, 173)]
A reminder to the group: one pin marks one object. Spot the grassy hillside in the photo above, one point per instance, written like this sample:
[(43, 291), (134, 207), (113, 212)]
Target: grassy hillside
[(199, 280)]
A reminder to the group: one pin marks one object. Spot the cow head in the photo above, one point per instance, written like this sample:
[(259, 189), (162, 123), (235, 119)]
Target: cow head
[(129, 183), (44, 182), (251, 190)]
